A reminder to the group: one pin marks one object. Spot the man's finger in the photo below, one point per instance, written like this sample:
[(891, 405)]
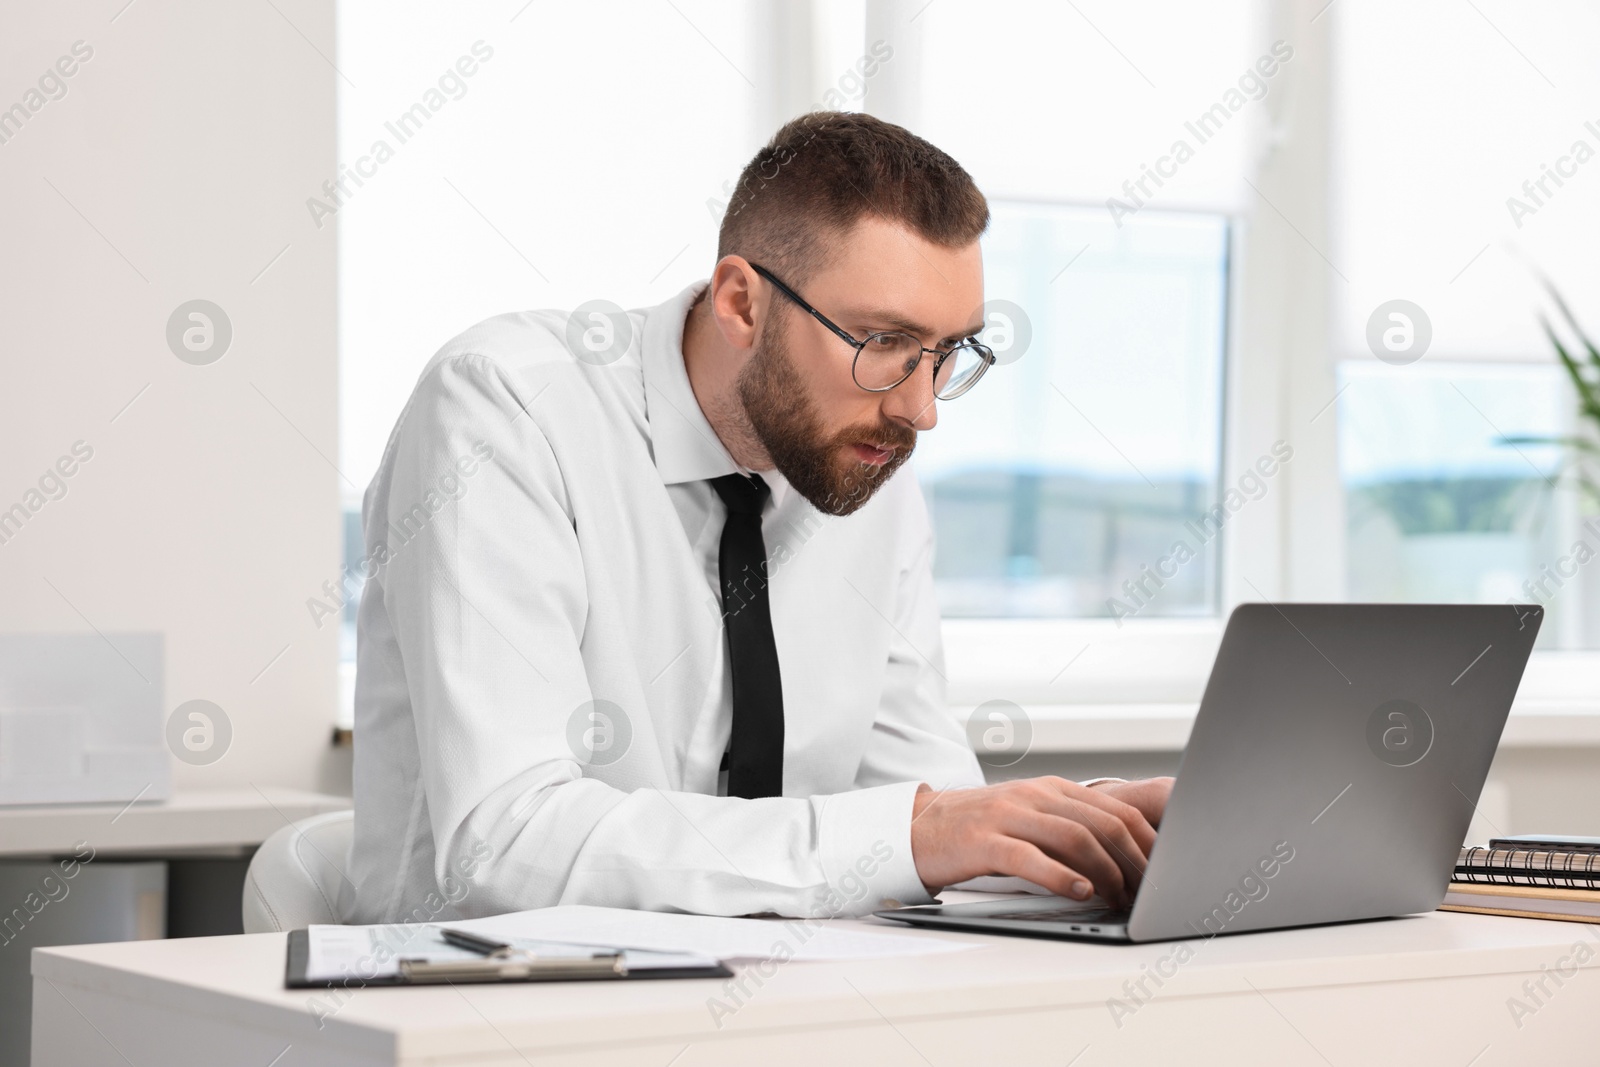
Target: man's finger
[(1022, 859), (1149, 795), (1076, 800), (1117, 837), (1072, 843)]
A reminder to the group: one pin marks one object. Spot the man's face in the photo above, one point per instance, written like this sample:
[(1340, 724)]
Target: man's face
[(833, 441)]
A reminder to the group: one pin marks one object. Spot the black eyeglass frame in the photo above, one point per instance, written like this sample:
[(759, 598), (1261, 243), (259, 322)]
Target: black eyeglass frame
[(984, 353)]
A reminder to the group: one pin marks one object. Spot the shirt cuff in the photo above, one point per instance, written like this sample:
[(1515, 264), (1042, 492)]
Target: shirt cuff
[(864, 843), (1097, 781)]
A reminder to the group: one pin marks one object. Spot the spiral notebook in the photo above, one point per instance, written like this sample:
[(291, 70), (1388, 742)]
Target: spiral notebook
[(1529, 877), (1510, 862)]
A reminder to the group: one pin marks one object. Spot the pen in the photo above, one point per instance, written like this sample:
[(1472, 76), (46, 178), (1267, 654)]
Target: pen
[(487, 946), (505, 962), (484, 946)]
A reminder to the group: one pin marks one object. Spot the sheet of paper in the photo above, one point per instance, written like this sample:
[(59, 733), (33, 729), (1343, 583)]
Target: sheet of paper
[(726, 939), (337, 953)]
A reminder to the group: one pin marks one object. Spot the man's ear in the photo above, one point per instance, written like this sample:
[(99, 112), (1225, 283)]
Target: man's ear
[(739, 303)]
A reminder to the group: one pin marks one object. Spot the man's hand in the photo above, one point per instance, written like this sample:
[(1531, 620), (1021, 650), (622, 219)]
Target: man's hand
[(1149, 795), (1073, 840)]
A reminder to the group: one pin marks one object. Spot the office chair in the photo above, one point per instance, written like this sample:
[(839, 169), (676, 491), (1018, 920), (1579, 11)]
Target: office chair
[(296, 876)]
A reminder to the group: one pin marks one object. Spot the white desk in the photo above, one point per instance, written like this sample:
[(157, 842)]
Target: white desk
[(188, 822), (203, 836), (1431, 989)]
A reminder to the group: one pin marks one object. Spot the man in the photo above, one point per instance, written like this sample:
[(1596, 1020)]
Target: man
[(655, 624)]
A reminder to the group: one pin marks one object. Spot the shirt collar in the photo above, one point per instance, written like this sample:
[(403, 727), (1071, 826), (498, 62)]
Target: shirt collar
[(686, 448)]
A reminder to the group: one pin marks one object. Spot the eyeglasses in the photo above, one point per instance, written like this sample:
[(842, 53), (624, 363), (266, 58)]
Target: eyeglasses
[(889, 357)]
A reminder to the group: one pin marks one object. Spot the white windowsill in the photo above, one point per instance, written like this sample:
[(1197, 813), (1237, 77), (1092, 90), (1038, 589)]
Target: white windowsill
[(1091, 686), (1073, 728)]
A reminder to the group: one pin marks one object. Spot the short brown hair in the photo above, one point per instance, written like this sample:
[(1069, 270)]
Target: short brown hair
[(823, 172)]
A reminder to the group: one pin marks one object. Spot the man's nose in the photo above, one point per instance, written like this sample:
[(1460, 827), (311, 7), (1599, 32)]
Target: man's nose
[(911, 403)]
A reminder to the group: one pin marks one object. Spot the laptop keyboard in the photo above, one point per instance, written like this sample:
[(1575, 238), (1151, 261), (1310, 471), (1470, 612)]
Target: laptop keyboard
[(1067, 915)]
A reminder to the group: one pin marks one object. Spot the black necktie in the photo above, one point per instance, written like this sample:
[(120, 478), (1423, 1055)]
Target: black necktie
[(755, 759)]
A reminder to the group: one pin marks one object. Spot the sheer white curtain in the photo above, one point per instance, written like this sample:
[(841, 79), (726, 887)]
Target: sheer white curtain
[(577, 162)]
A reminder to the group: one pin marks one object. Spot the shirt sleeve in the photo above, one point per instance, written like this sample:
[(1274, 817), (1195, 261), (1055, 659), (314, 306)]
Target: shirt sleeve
[(488, 606), (915, 738)]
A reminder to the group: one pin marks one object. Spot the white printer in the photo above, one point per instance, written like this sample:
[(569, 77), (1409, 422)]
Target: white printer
[(81, 719)]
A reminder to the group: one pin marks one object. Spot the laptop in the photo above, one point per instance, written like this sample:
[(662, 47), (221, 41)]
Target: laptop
[(1333, 769)]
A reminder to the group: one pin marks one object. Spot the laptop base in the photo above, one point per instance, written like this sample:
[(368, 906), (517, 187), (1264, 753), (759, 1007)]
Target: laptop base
[(1050, 917)]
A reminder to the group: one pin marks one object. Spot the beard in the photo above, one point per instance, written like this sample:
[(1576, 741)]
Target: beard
[(821, 467)]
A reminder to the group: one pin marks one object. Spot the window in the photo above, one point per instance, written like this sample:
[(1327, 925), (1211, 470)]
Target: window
[(1078, 461), (1072, 469), (1441, 506)]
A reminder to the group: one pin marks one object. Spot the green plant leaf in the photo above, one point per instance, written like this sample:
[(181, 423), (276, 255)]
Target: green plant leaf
[(1587, 398), (1566, 313)]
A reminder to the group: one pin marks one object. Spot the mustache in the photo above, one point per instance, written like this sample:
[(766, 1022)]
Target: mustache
[(885, 435)]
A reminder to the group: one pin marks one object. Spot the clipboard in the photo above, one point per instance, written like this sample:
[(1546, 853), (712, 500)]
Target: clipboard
[(610, 966)]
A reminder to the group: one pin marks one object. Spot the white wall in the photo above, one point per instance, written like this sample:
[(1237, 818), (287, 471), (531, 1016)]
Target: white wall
[(176, 166)]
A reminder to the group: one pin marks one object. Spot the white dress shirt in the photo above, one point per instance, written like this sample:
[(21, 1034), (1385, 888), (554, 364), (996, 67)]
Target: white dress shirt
[(542, 696)]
